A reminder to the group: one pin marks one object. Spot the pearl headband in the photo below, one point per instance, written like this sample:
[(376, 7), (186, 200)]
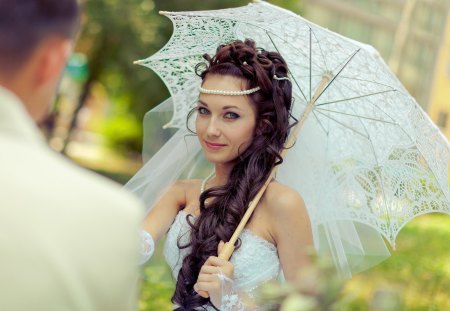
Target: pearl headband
[(222, 92), (245, 92)]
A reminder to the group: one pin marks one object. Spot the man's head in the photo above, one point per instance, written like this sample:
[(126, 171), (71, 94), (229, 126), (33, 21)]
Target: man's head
[(35, 41)]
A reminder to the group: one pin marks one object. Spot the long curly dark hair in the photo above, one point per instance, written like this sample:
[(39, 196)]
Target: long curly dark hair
[(273, 104)]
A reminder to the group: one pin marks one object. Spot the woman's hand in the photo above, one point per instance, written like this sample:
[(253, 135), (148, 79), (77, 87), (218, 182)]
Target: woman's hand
[(209, 281)]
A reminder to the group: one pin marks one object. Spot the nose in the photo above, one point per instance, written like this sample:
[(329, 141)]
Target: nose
[(213, 128)]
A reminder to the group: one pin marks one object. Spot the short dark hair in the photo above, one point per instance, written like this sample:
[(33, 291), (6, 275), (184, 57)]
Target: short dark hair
[(24, 23)]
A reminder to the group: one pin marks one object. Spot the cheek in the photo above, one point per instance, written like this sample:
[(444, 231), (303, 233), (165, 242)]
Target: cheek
[(246, 135), (198, 125)]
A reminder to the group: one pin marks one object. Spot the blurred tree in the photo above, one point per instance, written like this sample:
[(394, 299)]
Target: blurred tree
[(115, 33)]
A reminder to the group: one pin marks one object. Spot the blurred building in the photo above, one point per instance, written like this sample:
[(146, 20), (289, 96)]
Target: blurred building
[(439, 107), (407, 33)]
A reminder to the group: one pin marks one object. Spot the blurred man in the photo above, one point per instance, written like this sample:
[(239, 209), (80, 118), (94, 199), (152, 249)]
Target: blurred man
[(68, 238)]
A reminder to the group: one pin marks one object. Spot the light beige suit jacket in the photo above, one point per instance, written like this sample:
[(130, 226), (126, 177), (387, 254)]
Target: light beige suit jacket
[(68, 238)]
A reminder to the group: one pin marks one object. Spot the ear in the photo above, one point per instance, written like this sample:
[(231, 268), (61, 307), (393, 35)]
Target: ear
[(51, 59)]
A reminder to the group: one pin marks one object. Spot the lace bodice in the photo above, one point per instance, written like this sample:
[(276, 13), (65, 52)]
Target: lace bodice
[(255, 261)]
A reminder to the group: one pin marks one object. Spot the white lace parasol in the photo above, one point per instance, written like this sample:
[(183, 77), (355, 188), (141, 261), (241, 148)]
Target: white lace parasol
[(367, 159)]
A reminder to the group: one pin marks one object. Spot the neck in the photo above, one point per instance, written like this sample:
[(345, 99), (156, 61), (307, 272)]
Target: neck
[(17, 83), (222, 172)]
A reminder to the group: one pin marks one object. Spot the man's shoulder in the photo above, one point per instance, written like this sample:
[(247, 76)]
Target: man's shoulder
[(92, 186), (39, 168)]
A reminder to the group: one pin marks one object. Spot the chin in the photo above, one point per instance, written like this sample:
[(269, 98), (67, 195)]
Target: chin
[(215, 158)]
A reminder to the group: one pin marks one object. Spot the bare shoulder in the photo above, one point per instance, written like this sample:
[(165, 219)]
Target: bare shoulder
[(183, 188), (187, 185), (289, 220), (161, 216), (290, 228), (284, 199)]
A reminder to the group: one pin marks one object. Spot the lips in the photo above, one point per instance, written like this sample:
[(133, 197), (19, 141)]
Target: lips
[(213, 146)]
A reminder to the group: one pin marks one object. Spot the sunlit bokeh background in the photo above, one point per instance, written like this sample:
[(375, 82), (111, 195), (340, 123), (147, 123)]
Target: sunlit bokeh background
[(97, 120)]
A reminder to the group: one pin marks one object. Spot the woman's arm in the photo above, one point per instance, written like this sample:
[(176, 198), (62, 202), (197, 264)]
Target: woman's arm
[(160, 218), (290, 228)]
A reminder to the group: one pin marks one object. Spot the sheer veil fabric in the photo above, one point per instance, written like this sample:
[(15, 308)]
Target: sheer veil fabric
[(170, 154), (366, 161)]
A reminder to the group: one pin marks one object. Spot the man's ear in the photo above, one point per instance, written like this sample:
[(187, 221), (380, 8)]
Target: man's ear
[(51, 59)]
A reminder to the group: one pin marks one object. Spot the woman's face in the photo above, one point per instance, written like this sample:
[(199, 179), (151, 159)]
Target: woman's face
[(225, 123)]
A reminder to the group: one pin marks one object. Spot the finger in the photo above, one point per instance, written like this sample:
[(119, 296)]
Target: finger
[(215, 261), (206, 278), (202, 293), (210, 270), (206, 287), (220, 247), (224, 265)]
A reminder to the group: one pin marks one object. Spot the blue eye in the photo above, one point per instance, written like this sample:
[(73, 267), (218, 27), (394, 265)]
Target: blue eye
[(231, 115), (202, 110)]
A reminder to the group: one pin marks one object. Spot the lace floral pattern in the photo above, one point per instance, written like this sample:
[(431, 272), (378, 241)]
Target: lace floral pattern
[(367, 153), (147, 246), (372, 134), (232, 299)]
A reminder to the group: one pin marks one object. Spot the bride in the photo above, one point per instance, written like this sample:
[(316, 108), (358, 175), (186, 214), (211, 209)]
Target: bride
[(241, 122)]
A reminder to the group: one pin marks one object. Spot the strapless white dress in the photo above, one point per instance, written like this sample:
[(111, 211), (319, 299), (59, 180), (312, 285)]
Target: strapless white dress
[(255, 261)]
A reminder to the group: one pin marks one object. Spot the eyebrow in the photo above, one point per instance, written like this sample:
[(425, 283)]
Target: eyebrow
[(225, 107)]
